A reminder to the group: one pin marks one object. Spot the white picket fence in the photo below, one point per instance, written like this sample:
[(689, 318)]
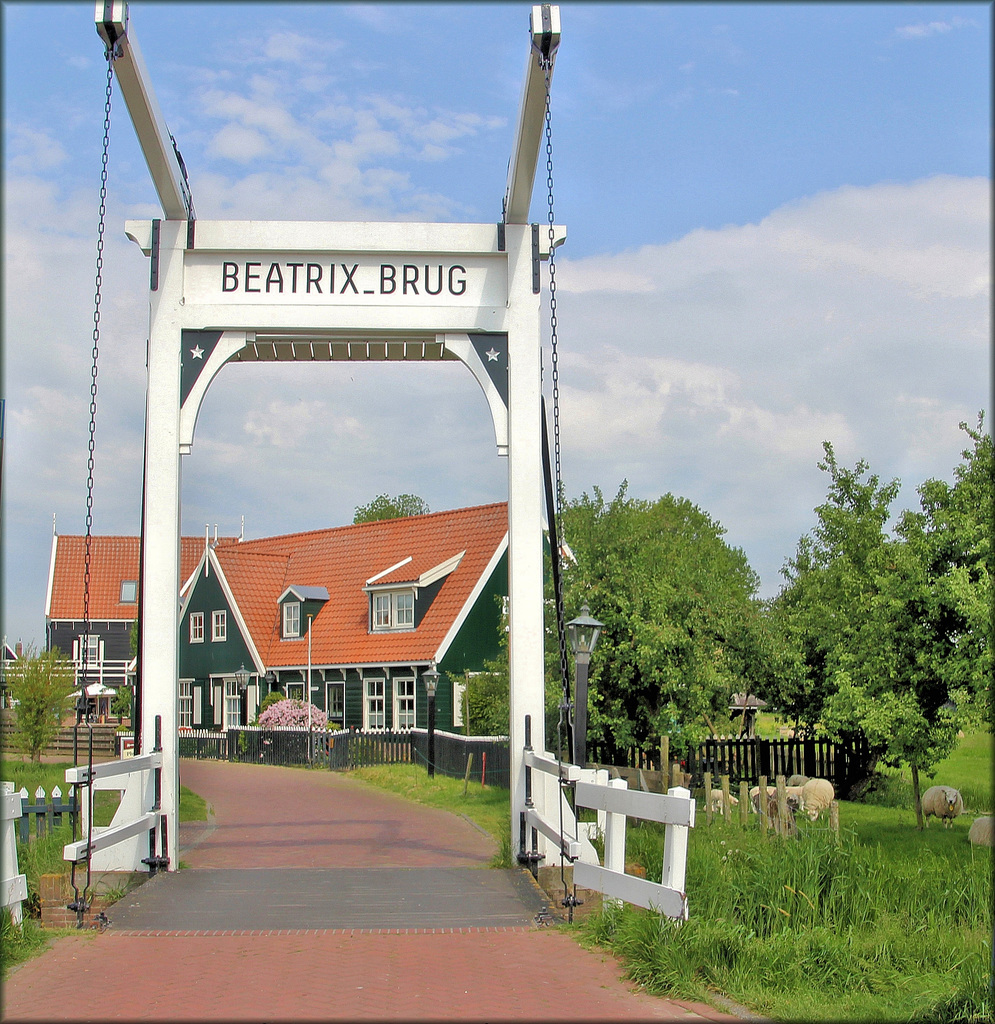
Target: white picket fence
[(14, 886)]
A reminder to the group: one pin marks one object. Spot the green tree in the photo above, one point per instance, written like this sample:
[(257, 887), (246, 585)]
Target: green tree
[(893, 632), (683, 629), (42, 684), (385, 507)]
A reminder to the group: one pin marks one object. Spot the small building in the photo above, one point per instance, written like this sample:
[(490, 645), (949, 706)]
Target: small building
[(112, 604), (369, 607)]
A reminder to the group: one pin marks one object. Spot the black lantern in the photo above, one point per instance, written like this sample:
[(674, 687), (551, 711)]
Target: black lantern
[(242, 678), (584, 632)]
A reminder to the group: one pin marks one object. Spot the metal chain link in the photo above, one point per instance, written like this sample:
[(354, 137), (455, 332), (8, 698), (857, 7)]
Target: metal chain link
[(80, 901)]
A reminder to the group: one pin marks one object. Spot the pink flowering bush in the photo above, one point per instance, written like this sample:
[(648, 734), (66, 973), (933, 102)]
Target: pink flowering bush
[(293, 713)]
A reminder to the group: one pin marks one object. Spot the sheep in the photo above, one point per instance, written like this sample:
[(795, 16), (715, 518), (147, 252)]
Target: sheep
[(715, 799), (796, 794), (943, 802), (981, 831), (817, 795), (755, 796), (797, 780)]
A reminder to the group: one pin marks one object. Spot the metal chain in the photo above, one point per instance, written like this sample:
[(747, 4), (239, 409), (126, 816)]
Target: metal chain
[(569, 898), (80, 902)]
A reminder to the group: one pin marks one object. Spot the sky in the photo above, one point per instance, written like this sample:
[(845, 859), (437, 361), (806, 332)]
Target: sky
[(779, 228)]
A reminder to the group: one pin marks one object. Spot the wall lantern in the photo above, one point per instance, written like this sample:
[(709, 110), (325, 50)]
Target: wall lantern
[(242, 678)]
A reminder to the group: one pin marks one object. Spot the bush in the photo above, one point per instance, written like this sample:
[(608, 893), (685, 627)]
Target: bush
[(267, 702), (293, 713)]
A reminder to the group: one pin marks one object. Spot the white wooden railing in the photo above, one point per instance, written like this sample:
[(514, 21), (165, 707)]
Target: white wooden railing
[(14, 886), (615, 803)]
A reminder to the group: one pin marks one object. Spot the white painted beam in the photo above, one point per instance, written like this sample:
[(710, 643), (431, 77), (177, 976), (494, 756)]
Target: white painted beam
[(109, 769), (566, 770), (531, 117), (639, 891), (669, 809), (570, 847), (111, 836), (150, 126)]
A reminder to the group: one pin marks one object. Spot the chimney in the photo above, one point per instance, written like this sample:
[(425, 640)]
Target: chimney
[(18, 649)]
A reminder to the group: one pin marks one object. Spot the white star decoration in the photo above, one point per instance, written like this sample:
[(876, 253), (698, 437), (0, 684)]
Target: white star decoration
[(492, 355), (197, 353)]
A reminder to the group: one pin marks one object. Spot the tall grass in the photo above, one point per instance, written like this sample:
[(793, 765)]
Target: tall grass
[(818, 928)]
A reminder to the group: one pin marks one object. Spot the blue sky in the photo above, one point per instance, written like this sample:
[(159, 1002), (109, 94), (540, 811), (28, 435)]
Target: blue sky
[(778, 221)]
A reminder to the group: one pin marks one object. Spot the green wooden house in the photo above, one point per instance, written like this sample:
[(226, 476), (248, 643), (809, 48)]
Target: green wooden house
[(368, 607)]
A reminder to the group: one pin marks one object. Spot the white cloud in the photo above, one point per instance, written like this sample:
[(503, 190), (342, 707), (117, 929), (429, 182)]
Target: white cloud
[(924, 29), (716, 365)]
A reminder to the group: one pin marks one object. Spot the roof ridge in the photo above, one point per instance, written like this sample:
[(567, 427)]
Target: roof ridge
[(323, 530)]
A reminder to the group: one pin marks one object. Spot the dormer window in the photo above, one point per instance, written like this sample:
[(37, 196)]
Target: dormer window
[(394, 610), (292, 619), (299, 606)]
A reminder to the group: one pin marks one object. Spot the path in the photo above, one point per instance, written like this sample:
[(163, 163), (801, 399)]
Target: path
[(330, 830)]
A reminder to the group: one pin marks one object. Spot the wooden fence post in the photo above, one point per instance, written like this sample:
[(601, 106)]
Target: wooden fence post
[(834, 817), (726, 804), (744, 804), (665, 761), (762, 804)]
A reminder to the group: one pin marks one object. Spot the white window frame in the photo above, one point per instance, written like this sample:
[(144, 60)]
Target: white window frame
[(374, 703), (186, 704), (408, 621), (405, 709), (381, 611), (219, 626), (387, 610), (292, 620), (196, 627), (132, 586), (331, 687), (233, 704)]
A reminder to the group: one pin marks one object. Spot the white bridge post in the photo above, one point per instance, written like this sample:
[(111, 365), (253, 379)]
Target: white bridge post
[(675, 848)]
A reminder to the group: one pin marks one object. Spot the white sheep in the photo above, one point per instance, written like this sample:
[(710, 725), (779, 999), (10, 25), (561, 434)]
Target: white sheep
[(797, 780), (981, 833), (796, 794), (715, 799), (755, 796), (817, 795), (943, 802)]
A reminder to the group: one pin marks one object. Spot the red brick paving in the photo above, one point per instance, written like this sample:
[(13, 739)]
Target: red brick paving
[(507, 974), (470, 974)]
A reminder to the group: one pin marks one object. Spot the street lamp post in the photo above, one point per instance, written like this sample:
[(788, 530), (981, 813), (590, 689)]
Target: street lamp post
[(431, 677), (584, 632)]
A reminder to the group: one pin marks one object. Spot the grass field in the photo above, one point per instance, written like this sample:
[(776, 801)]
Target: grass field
[(886, 923)]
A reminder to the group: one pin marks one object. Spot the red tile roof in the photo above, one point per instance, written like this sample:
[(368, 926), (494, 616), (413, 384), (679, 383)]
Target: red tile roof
[(342, 560), (112, 560)]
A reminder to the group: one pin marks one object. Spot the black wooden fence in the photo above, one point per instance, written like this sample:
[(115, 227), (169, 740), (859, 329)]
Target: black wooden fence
[(491, 762), (745, 760), (351, 749)]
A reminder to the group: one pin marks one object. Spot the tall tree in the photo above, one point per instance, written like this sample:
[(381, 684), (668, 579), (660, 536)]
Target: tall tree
[(385, 507), (42, 685), (682, 625), (894, 632)]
